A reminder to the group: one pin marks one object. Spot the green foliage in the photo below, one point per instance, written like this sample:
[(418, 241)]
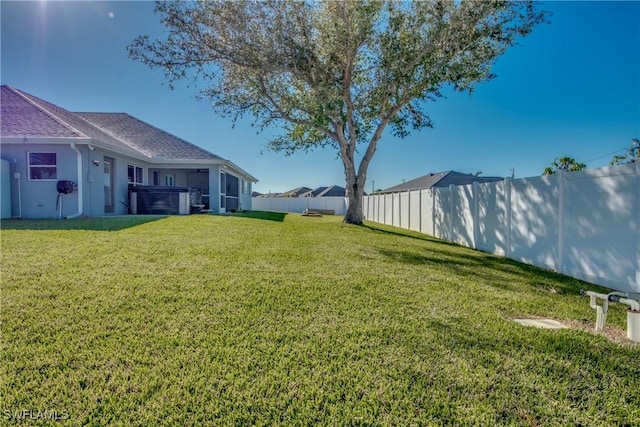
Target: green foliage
[(273, 319), (567, 164), (334, 73), (632, 154)]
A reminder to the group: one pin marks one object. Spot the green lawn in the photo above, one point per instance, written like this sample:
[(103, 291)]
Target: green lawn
[(274, 319)]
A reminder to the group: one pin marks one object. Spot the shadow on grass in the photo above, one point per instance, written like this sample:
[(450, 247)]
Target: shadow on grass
[(264, 215), (91, 224), (560, 345), (498, 271), (407, 234)]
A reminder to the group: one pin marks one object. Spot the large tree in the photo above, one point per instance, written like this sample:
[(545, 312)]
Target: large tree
[(334, 73)]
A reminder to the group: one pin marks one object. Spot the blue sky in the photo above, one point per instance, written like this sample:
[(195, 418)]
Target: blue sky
[(572, 88)]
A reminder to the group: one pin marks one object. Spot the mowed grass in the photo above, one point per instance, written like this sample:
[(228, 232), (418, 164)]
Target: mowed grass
[(273, 319)]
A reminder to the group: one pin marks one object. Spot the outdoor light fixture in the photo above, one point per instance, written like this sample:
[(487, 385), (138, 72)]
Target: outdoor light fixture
[(96, 163)]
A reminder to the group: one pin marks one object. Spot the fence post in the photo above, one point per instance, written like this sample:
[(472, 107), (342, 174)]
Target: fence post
[(474, 194), (365, 206), (409, 210), (433, 211), (507, 190), (562, 176), (420, 210), (399, 210), (637, 226), (384, 209), (393, 207), (451, 205)]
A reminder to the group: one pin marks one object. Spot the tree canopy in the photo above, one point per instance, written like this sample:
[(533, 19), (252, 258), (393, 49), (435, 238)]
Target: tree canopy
[(631, 155), (334, 73), (567, 164)]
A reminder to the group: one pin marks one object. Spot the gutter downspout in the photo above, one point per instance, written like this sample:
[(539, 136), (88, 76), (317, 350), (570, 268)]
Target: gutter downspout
[(79, 163), (18, 178)]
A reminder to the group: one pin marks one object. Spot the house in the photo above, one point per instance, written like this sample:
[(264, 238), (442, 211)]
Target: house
[(331, 191), (296, 192), (439, 179), (64, 164)]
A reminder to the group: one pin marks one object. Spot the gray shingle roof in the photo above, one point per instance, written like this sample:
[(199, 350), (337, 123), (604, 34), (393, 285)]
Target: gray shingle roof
[(440, 179), (147, 139), (296, 192), (26, 115), (21, 116), (314, 192), (332, 191)]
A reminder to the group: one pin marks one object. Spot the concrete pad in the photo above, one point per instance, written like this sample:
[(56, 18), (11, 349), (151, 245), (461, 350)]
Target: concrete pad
[(541, 323)]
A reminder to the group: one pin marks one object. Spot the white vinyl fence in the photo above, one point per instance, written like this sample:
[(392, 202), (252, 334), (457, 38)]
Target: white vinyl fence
[(583, 224), (299, 204)]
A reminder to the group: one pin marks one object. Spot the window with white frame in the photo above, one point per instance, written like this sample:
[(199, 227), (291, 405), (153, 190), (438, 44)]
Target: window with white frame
[(135, 174), (43, 166), (169, 180)]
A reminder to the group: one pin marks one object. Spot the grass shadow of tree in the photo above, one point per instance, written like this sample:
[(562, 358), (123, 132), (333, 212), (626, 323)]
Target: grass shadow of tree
[(407, 234), (498, 271), (263, 215), (91, 224)]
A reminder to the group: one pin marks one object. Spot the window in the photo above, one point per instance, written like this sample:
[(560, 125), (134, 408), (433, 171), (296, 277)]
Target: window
[(43, 166), (232, 186), (135, 174), (156, 178), (169, 180), (109, 185), (223, 182)]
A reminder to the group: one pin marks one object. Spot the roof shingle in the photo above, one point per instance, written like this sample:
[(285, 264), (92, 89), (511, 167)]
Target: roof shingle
[(147, 139), (29, 116), (440, 179), (21, 116)]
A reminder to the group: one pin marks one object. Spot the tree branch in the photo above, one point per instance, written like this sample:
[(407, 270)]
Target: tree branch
[(285, 116)]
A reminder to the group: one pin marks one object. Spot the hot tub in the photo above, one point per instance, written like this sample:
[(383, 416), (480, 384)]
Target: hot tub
[(159, 200)]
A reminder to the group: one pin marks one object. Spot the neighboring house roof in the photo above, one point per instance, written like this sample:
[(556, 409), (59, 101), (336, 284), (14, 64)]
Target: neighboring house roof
[(440, 179), (296, 192), (314, 192), (332, 191), (26, 116)]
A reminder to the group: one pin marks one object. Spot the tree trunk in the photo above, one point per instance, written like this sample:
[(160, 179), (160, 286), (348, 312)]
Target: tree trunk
[(355, 190)]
